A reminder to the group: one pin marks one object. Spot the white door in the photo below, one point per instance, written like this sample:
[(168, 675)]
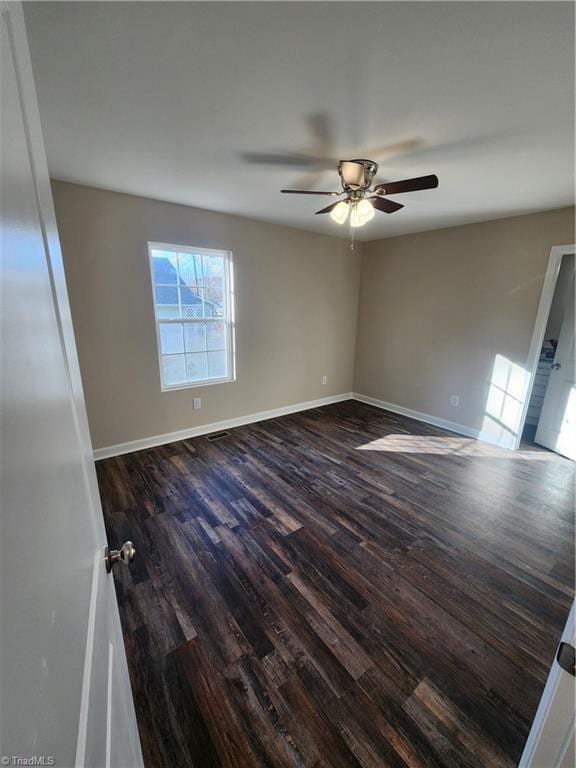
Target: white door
[(64, 686), (551, 741), (557, 424)]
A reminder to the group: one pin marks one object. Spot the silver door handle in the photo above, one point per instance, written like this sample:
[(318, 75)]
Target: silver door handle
[(124, 555), (566, 657), (556, 366)]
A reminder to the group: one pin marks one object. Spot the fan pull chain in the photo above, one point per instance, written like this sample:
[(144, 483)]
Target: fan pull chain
[(352, 233)]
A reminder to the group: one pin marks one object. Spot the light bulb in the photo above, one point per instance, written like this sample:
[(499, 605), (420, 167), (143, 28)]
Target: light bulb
[(339, 213), (365, 210), (356, 219)]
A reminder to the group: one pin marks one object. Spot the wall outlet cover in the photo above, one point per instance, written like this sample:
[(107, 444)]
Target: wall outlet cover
[(324, 379), (197, 404), (455, 400)]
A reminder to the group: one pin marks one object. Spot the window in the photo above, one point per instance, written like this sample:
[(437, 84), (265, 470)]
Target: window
[(193, 304)]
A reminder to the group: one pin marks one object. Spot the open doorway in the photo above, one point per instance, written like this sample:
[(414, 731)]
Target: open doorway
[(551, 414)]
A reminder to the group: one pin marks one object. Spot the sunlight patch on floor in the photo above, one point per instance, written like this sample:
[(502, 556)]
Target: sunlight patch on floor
[(449, 446)]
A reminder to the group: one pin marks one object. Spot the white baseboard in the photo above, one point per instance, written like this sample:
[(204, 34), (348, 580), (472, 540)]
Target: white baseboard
[(451, 426), (215, 426), (251, 418)]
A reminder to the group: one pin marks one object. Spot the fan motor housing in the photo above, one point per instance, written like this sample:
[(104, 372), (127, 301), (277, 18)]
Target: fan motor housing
[(357, 174)]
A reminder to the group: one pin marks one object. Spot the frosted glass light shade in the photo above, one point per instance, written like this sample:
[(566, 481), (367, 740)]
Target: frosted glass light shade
[(365, 210), (356, 219), (339, 213)]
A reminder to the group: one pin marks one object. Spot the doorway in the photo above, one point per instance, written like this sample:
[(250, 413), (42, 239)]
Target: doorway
[(551, 413)]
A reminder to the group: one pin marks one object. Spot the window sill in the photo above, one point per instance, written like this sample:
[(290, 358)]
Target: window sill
[(196, 384)]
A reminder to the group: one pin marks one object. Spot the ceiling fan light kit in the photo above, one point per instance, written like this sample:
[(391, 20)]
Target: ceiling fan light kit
[(355, 219), (361, 201), (339, 213)]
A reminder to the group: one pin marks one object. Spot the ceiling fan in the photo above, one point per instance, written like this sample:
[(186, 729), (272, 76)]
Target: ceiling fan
[(360, 200)]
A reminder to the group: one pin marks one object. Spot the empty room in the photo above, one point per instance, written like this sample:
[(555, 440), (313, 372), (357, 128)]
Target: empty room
[(288, 389)]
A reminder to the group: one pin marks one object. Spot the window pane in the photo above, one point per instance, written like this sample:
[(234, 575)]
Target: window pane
[(171, 338), (166, 299), (213, 267), (164, 267), (195, 337), (192, 313), (216, 336), (167, 312), (214, 298), (190, 288), (190, 266), (214, 284), (173, 369), (191, 302), (217, 365), (196, 366)]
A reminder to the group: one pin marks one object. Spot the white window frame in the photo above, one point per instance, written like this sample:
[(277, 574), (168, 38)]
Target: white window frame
[(228, 317)]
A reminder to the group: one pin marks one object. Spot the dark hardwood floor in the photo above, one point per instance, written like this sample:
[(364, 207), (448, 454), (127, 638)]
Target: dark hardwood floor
[(340, 587)]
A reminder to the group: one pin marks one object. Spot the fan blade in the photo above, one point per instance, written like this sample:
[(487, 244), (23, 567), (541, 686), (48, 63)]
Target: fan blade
[(317, 156), (329, 207), (311, 180), (387, 151), (407, 185), (309, 192), (385, 205)]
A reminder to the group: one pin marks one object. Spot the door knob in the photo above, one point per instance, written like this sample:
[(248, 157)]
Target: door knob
[(556, 366), (566, 657), (124, 555)]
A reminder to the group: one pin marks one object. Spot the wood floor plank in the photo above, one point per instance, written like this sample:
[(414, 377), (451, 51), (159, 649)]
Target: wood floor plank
[(337, 588)]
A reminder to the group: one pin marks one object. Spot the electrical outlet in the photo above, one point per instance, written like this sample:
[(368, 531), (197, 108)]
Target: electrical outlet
[(455, 400), (197, 403), (324, 379)]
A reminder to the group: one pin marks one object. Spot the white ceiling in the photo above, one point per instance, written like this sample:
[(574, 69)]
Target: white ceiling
[(167, 99)]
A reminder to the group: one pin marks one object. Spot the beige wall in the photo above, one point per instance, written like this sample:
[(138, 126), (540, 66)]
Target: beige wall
[(436, 308), (296, 311)]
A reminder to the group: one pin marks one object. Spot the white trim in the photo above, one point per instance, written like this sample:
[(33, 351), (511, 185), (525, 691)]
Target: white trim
[(108, 762), (546, 734), (177, 247), (427, 418), (216, 426), (228, 318), (195, 384), (88, 657), (546, 297)]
